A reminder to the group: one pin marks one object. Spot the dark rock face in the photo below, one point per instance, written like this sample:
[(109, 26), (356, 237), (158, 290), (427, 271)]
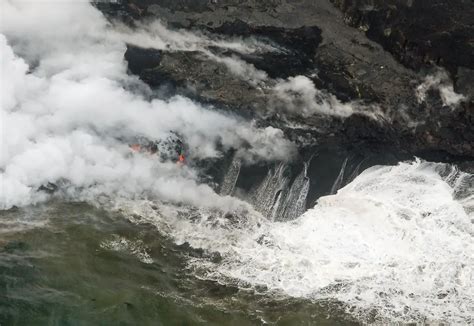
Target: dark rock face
[(303, 43), (373, 52), (140, 59), (417, 32), (421, 34)]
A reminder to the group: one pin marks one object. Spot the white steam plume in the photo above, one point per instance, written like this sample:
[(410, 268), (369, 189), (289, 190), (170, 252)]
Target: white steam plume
[(67, 107), (157, 36), (439, 81), (296, 95), (299, 94)]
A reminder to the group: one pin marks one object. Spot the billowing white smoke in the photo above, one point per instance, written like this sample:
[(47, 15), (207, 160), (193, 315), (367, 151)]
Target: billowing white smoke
[(299, 94), (296, 95), (156, 35), (67, 107), (439, 81), (397, 241)]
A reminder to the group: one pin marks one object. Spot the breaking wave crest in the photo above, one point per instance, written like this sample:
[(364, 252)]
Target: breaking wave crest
[(396, 244)]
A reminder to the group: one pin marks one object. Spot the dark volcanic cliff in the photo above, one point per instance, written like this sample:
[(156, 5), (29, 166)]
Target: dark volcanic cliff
[(373, 52), (418, 33)]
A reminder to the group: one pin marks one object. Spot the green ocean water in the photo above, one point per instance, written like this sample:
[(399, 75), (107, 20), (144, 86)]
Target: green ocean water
[(75, 264)]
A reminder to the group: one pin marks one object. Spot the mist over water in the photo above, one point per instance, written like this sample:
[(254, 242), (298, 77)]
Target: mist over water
[(397, 240), (70, 111), (394, 244)]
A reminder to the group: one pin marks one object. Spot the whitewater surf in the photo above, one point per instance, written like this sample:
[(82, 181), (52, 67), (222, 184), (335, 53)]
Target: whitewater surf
[(396, 242), (265, 220)]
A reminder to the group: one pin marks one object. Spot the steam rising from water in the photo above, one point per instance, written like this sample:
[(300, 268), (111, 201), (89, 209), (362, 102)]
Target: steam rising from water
[(68, 109), (397, 240)]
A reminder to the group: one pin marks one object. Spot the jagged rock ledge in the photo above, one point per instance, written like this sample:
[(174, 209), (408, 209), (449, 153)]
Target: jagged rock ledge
[(374, 52)]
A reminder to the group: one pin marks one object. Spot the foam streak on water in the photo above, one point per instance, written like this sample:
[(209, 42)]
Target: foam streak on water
[(340, 178), (230, 178), (395, 240), (295, 200), (268, 196)]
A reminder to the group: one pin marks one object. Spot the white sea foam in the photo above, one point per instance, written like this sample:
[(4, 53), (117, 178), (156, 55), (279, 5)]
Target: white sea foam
[(395, 241), (133, 247)]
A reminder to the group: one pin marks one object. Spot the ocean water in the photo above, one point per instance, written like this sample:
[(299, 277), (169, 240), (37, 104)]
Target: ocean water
[(394, 245), (325, 245), (75, 264)]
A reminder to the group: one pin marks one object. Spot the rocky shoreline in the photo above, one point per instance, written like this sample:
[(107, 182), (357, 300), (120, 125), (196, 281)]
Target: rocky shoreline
[(377, 55)]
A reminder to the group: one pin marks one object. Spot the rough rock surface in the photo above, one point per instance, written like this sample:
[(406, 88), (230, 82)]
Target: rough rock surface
[(418, 32), (372, 52)]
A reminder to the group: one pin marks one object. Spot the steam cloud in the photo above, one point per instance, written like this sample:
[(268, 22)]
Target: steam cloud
[(67, 105), (299, 94), (440, 81), (295, 95)]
